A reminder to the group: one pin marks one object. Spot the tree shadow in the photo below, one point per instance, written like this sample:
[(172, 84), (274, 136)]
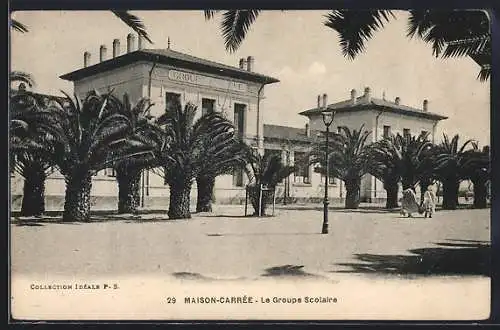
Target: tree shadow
[(289, 271), (40, 221), (28, 224), (471, 258), (199, 277), (342, 209), (261, 234), (228, 216)]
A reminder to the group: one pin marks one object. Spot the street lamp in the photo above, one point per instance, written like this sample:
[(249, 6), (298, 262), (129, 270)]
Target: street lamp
[(327, 120)]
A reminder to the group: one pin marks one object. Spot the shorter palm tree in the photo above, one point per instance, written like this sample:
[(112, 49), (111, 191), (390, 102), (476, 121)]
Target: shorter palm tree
[(128, 170), (264, 171), (191, 144), (476, 167), (347, 160), (384, 164), (28, 147), (224, 154), (449, 167)]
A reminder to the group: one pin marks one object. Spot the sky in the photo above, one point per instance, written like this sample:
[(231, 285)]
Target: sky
[(293, 46)]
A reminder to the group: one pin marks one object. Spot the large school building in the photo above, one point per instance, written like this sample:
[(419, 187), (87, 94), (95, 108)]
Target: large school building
[(163, 75)]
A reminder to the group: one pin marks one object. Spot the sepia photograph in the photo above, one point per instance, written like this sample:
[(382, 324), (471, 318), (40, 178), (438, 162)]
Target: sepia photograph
[(250, 165)]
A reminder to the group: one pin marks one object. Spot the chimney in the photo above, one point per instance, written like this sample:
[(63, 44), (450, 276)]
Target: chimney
[(354, 96), (368, 94), (250, 63), (116, 48), (308, 130), (130, 43), (325, 101), (86, 59), (243, 63), (141, 42), (103, 53), (426, 105), (397, 100), (319, 101)]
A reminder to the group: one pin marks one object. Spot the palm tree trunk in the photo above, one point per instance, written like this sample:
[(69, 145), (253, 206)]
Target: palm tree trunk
[(180, 199), (254, 195), (479, 194), (352, 198), (205, 186), (392, 189), (33, 192), (450, 194), (128, 189), (77, 199)]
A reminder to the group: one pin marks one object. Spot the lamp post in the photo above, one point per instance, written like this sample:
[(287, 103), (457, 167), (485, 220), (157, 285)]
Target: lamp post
[(327, 120)]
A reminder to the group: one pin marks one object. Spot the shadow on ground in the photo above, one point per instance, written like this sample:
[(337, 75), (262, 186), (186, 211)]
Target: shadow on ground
[(200, 277), (288, 271), (285, 271), (454, 257), (261, 234)]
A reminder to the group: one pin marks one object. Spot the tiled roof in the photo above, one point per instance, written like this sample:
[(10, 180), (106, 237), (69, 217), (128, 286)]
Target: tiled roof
[(288, 133), (378, 104), (169, 57)]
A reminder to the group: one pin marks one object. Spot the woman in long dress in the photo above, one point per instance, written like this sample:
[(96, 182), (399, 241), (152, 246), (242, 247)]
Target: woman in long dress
[(409, 203), (429, 202)]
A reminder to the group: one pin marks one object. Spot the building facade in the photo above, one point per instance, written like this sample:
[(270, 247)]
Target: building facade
[(163, 75), (381, 118)]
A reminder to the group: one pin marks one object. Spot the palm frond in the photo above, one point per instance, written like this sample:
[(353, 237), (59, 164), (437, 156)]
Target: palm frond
[(24, 77), (18, 26), (355, 27), (484, 73), (235, 25), (209, 14), (134, 22)]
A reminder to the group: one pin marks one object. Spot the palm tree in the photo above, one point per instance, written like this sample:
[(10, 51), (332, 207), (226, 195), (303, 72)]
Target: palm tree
[(400, 158), (263, 171), (190, 142), (449, 168), (128, 171), (27, 152), (384, 164), (224, 154), (132, 21), (347, 159), (452, 33), (87, 137), (476, 166)]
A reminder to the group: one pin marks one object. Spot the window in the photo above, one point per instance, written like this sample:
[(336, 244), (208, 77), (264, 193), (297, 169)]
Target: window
[(301, 168), (207, 106), (387, 131), (406, 132), (238, 178), (239, 118), (172, 100)]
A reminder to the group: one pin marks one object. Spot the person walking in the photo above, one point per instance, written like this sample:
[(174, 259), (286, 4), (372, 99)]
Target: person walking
[(409, 203), (429, 202)]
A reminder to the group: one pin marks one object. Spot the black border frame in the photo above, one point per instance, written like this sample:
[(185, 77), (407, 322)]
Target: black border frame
[(492, 5)]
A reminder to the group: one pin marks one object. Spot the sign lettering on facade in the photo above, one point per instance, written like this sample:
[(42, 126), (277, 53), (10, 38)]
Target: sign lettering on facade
[(198, 79)]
